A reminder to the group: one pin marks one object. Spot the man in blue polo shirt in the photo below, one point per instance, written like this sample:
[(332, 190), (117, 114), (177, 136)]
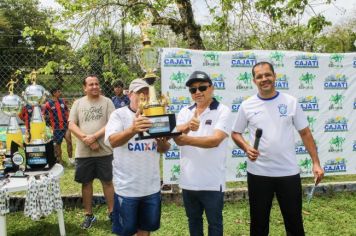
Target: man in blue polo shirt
[(120, 99), (205, 127)]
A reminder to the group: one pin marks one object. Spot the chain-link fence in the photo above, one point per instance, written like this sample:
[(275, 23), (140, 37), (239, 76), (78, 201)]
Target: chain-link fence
[(67, 78)]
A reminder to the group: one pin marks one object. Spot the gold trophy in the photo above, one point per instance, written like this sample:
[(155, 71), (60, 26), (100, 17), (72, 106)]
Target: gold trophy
[(11, 105), (154, 109), (39, 148)]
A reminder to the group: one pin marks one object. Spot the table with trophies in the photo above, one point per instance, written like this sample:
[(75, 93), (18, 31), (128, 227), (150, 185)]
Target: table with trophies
[(27, 162)]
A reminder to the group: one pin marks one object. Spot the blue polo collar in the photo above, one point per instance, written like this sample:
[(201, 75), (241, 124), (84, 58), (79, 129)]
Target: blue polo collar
[(213, 105), (266, 99)]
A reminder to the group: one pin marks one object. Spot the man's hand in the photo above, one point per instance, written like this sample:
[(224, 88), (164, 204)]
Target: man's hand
[(162, 144), (318, 173), (194, 122), (95, 146), (251, 153), (141, 123), (89, 139)]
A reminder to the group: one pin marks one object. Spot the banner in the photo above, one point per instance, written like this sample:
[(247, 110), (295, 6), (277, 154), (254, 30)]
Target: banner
[(324, 85)]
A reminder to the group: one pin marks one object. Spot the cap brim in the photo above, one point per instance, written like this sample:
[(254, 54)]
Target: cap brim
[(189, 82), (138, 89)]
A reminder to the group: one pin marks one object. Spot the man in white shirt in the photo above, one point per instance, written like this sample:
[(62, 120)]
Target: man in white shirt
[(273, 168), (203, 155), (136, 176)]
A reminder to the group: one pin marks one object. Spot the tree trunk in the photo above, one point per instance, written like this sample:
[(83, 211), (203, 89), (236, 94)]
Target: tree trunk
[(190, 30)]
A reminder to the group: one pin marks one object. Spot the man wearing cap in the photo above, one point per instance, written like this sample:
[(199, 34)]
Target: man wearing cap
[(137, 200), (203, 155), (87, 120)]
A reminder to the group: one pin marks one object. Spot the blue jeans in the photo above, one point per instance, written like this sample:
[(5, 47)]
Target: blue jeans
[(136, 213), (195, 203)]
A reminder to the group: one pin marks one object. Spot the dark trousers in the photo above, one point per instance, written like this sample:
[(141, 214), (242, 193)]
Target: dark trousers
[(261, 190), (195, 203)]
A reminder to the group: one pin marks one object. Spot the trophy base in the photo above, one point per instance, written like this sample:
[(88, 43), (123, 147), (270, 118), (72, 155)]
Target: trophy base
[(141, 136), (39, 156), (162, 126), (19, 174)]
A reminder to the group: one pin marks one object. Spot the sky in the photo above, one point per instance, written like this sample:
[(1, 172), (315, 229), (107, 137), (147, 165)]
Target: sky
[(337, 12)]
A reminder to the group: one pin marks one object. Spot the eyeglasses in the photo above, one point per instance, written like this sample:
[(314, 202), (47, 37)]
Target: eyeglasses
[(201, 88)]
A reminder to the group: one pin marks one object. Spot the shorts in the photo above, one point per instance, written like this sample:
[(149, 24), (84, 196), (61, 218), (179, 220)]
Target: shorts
[(90, 168), (58, 135), (136, 213)]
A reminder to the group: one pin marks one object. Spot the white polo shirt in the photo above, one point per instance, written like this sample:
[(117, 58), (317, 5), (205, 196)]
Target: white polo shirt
[(136, 163), (277, 117), (204, 168)]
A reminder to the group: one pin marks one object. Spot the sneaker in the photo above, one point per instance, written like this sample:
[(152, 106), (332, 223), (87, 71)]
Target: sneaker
[(88, 221), (110, 217)]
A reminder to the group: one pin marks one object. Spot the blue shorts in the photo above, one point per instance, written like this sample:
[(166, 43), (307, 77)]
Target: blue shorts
[(58, 135), (136, 213)]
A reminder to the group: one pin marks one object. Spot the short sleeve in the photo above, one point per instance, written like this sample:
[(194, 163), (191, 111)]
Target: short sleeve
[(113, 126), (73, 114), (111, 107), (299, 119), (241, 121), (224, 120)]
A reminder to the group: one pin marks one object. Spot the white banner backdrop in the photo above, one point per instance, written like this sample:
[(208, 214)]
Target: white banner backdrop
[(323, 83)]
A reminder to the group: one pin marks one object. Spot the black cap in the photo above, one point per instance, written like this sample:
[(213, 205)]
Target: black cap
[(198, 76)]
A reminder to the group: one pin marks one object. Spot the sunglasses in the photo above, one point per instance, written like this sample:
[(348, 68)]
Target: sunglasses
[(201, 88)]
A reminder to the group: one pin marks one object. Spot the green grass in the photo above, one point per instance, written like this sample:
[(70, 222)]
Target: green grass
[(326, 215), (70, 187)]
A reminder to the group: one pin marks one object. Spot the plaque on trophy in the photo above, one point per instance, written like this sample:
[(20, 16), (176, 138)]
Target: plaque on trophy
[(163, 123), (11, 105), (39, 149)]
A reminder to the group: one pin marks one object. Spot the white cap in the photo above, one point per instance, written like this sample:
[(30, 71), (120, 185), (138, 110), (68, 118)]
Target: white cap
[(137, 84)]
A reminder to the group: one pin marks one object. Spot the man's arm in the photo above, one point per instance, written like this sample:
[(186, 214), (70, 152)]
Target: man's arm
[(202, 142), (309, 144), (91, 138), (239, 140), (140, 124), (74, 128)]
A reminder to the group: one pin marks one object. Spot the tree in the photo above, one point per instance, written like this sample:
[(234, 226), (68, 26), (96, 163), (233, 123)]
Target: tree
[(19, 51), (235, 24), (339, 38), (17, 14), (101, 56)]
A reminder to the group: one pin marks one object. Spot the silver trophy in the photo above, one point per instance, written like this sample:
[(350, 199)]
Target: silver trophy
[(12, 105), (38, 145), (35, 95)]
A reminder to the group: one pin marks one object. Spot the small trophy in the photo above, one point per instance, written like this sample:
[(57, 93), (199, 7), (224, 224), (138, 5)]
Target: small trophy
[(155, 110), (38, 147), (12, 105)]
